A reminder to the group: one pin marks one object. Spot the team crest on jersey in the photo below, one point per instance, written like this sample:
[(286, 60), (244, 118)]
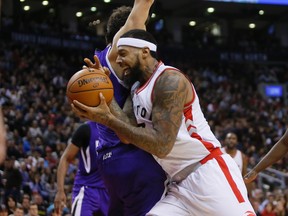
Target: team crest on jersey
[(107, 155), (249, 213)]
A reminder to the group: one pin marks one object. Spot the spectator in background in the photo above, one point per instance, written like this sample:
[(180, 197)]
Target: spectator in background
[(42, 205), (50, 136), (11, 204), (50, 184), (33, 209), (52, 212), (18, 211), (268, 210), (25, 179), (34, 130), (51, 158), (26, 204), (3, 210), (13, 179)]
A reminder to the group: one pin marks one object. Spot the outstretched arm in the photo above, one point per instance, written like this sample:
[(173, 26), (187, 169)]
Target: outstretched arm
[(136, 20), (67, 157), (276, 153)]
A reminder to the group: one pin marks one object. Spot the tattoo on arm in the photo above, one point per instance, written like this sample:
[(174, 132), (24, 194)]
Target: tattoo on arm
[(168, 103), (126, 114)]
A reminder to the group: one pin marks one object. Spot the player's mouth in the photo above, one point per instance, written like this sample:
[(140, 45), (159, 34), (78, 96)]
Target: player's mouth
[(126, 72)]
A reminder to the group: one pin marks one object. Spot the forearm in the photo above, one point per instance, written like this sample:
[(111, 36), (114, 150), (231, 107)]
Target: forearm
[(275, 154), (147, 139), (120, 114), (136, 20), (61, 173), (139, 14)]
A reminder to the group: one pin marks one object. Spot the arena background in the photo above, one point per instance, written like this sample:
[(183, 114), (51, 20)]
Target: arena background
[(235, 54)]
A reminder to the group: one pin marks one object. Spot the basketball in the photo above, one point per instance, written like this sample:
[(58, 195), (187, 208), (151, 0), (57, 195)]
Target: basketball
[(85, 86)]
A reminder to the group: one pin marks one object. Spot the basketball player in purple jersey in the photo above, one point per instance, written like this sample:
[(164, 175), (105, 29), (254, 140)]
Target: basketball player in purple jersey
[(134, 179), (90, 197)]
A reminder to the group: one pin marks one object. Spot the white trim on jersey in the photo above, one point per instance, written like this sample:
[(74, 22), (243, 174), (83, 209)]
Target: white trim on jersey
[(86, 159), (77, 203)]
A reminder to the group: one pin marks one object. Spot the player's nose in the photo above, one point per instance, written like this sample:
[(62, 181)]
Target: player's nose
[(119, 61)]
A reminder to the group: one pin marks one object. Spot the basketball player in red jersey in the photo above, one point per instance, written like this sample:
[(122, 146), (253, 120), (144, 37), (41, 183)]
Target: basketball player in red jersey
[(203, 180)]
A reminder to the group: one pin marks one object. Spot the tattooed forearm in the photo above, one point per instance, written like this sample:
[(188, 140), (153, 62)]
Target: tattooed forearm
[(144, 138), (121, 114)]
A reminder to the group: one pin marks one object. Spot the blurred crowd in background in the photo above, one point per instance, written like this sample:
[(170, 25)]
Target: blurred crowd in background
[(40, 122)]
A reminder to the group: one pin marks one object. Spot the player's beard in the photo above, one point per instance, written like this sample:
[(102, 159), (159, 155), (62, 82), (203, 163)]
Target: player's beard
[(230, 146), (134, 75)]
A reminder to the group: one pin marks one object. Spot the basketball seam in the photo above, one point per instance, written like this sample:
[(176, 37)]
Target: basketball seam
[(98, 89)]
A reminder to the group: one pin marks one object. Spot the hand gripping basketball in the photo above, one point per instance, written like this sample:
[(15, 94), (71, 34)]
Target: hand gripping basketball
[(86, 84), (96, 65)]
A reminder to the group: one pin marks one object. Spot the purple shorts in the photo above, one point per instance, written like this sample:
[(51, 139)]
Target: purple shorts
[(134, 179), (89, 201)]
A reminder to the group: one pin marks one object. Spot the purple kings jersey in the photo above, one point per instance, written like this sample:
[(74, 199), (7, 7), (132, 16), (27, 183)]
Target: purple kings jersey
[(87, 173), (107, 137)]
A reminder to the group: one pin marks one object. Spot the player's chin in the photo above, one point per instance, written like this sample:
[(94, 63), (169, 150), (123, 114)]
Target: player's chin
[(128, 81)]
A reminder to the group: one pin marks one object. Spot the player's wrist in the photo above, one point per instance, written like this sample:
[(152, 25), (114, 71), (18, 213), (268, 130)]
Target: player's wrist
[(60, 189)]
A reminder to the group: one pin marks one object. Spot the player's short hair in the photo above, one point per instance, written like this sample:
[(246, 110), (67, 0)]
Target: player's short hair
[(116, 20), (143, 35)]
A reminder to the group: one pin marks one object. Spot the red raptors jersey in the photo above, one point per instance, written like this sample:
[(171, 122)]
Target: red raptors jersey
[(195, 139)]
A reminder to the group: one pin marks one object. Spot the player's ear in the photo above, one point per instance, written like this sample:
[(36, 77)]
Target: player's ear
[(145, 52)]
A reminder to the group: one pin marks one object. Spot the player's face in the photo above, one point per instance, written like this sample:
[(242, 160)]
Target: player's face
[(128, 59), (231, 140), (134, 75)]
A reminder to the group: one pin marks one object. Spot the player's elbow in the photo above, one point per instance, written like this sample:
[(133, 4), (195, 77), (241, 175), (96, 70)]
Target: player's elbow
[(161, 155), (164, 150), (66, 159)]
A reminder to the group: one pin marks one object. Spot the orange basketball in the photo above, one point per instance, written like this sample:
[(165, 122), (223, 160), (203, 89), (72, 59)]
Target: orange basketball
[(85, 86)]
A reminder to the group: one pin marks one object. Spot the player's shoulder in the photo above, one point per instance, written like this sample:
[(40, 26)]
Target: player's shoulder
[(172, 71), (83, 128), (172, 77), (244, 156)]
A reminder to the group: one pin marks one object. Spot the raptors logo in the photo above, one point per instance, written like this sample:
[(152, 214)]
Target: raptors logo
[(249, 213)]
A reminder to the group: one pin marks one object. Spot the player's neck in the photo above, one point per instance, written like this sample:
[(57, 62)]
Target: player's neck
[(152, 66), (149, 68), (231, 151)]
